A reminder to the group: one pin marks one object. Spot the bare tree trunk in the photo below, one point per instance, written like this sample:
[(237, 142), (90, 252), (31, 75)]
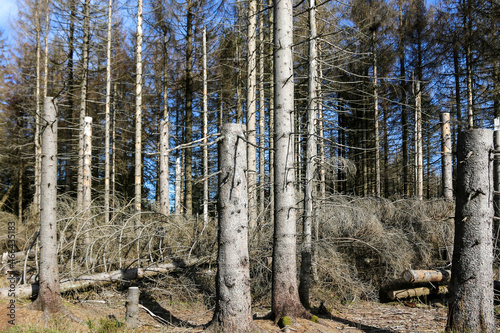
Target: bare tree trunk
[(107, 116), (262, 118), (49, 296), (471, 286), (446, 161), (285, 296), (419, 160), (251, 113), (205, 131), (87, 178), (138, 113), (83, 100), (46, 53), (375, 115), (164, 139), (38, 158), (233, 310), (311, 156), (188, 136), (271, 122), (178, 177)]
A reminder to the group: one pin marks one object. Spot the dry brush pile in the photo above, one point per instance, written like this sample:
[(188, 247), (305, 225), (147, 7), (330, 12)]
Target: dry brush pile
[(362, 244)]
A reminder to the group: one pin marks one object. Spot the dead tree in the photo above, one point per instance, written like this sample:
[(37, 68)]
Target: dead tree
[(447, 158), (49, 296), (471, 285), (233, 311)]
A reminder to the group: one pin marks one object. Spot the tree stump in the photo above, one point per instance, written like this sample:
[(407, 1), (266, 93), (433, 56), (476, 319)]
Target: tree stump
[(132, 308)]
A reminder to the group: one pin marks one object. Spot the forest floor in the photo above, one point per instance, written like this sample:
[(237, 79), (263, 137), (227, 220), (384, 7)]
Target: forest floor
[(104, 311)]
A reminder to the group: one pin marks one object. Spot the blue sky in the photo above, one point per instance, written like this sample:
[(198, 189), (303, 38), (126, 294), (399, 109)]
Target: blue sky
[(8, 9)]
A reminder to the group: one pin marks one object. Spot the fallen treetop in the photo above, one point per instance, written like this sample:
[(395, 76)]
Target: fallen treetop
[(435, 275), (81, 282)]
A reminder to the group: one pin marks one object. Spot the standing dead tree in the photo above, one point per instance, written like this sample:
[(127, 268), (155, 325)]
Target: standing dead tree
[(471, 287), (49, 296), (233, 311)]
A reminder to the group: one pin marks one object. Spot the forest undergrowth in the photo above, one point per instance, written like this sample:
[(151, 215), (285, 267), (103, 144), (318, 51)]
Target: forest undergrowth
[(361, 245)]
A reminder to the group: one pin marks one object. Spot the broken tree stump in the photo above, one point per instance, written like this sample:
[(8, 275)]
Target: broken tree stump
[(132, 308)]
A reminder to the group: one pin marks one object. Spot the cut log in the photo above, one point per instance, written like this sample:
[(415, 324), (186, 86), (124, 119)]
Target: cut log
[(414, 292), (413, 276), (84, 281)]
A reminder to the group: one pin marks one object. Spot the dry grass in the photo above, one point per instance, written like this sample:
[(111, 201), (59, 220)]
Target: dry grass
[(363, 244)]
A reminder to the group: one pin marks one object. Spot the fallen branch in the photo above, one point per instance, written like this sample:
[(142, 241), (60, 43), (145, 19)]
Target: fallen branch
[(415, 292), (414, 276), (84, 281)]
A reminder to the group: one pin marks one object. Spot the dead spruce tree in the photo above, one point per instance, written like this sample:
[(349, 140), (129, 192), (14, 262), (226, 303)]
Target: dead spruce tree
[(233, 311), (285, 295), (471, 286), (49, 295)]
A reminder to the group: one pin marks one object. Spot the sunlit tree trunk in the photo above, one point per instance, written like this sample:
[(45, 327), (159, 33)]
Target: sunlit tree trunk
[(107, 119), (205, 131), (419, 161), (83, 99), (471, 286), (311, 156), (447, 158), (285, 296), (251, 113), (233, 310), (49, 295), (376, 115), (188, 134), (138, 111)]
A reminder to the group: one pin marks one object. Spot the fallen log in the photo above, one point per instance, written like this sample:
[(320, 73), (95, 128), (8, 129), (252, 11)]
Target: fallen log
[(84, 281), (435, 275), (415, 292), (6, 256)]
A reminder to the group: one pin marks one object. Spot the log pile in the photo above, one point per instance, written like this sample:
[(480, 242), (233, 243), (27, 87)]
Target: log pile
[(427, 282), (416, 277)]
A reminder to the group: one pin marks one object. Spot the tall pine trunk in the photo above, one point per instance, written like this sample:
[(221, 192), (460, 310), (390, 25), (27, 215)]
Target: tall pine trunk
[(285, 296)]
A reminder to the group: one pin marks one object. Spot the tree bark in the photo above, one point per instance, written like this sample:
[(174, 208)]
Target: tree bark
[(419, 156), (233, 311), (49, 297), (471, 286), (415, 292), (188, 134), (285, 296)]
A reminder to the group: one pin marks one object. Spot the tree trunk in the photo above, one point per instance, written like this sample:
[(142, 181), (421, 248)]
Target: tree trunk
[(375, 115), (36, 199), (138, 113), (311, 156), (251, 114), (447, 158), (107, 120), (178, 177), (285, 296), (262, 119), (83, 100), (233, 310), (471, 286), (205, 131), (87, 179), (132, 308), (419, 156), (188, 134), (417, 276), (49, 297)]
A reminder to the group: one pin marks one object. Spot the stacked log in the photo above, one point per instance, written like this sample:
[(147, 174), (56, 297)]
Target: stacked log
[(411, 276)]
